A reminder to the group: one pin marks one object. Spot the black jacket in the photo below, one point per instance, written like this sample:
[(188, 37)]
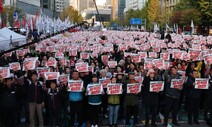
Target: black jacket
[(8, 97), (149, 98), (190, 90), (171, 92), (53, 99), (35, 92)]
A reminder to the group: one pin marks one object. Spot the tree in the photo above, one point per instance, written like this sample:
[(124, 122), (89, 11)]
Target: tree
[(205, 8), (136, 14), (72, 14), (190, 14), (153, 9)]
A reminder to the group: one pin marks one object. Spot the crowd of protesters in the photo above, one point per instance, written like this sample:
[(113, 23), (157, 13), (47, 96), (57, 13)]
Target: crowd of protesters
[(49, 103)]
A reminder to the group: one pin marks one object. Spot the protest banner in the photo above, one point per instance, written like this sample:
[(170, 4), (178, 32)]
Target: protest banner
[(177, 83), (104, 82), (158, 63), (112, 64), (29, 64), (42, 70), (201, 83), (105, 59), (75, 85), (64, 78), (148, 65), (51, 49), (5, 72), (114, 89), (143, 55), (133, 88), (156, 86), (139, 79), (59, 54), (82, 67), (165, 56), (153, 55), (194, 54), (51, 75), (84, 55), (63, 61), (15, 66), (51, 62), (20, 52), (94, 89), (208, 59), (135, 58)]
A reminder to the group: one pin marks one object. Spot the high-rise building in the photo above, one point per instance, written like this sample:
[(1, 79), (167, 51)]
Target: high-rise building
[(135, 4), (60, 5), (121, 7), (168, 5), (56, 5), (114, 10), (118, 7), (82, 4)]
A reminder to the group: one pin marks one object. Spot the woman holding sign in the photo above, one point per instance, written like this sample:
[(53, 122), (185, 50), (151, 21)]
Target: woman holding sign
[(94, 92), (150, 98), (114, 90)]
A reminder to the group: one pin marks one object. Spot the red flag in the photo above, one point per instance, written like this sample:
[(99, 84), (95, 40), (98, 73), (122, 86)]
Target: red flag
[(1, 6), (17, 24), (24, 22)]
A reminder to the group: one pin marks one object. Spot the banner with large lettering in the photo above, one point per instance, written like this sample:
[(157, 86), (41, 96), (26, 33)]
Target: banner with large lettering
[(75, 85), (201, 83), (156, 86), (94, 89), (133, 88), (113, 89)]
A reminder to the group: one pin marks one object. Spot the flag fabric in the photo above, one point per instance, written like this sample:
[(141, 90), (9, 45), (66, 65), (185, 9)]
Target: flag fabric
[(192, 27), (16, 22), (1, 6)]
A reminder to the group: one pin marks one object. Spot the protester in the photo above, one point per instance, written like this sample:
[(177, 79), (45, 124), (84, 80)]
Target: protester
[(150, 104), (172, 97), (193, 98), (35, 99), (114, 105), (131, 101), (54, 104), (94, 102), (140, 60), (8, 102), (75, 100)]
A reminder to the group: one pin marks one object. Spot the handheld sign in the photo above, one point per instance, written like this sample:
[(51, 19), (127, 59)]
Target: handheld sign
[(4, 72), (104, 82), (156, 86), (114, 89), (82, 67), (64, 79), (139, 79), (75, 85), (133, 88), (177, 83), (41, 71), (201, 83), (29, 64), (15, 66), (94, 89), (112, 64), (51, 75), (51, 62)]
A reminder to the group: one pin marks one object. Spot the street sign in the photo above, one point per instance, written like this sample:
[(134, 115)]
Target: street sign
[(135, 21)]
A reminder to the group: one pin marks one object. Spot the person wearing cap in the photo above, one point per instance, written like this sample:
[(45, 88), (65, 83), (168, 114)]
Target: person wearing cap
[(8, 102), (172, 97), (131, 101), (193, 98), (150, 99), (54, 104)]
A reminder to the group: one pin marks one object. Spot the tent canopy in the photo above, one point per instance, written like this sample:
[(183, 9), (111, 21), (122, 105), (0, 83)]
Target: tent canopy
[(8, 36)]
